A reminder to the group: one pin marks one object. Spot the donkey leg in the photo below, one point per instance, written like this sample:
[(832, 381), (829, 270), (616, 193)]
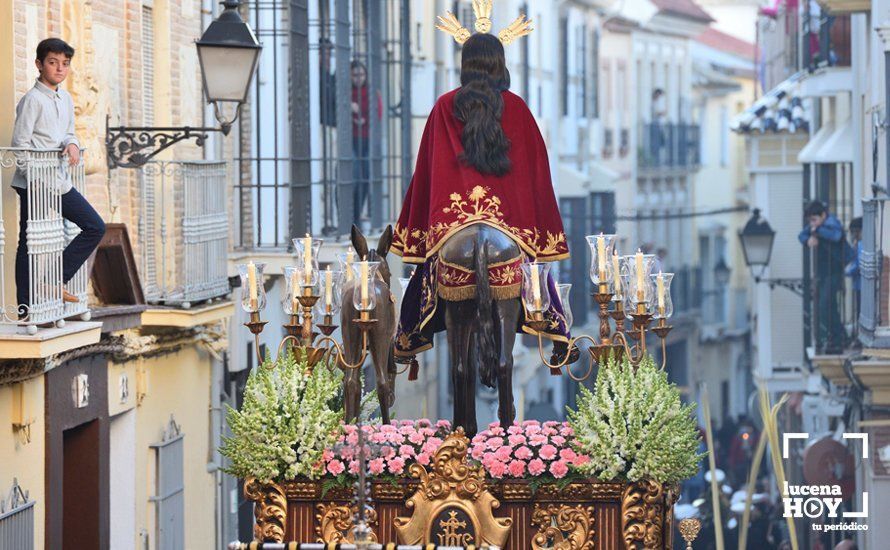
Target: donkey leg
[(458, 332), (506, 313), (380, 356), (352, 392)]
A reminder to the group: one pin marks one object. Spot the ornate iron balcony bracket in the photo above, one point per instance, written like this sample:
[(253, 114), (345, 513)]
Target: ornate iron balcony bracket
[(133, 146)]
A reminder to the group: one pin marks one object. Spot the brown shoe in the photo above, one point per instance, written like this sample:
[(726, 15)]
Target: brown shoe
[(69, 298)]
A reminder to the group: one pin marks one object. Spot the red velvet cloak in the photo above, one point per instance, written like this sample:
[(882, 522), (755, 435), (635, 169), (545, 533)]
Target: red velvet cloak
[(445, 195)]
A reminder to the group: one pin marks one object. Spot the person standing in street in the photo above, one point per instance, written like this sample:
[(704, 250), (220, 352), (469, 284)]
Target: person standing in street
[(45, 121)]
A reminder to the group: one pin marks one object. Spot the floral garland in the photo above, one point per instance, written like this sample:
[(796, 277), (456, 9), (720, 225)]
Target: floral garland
[(530, 449)]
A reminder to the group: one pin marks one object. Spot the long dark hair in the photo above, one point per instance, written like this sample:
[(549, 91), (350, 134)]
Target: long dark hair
[(479, 104)]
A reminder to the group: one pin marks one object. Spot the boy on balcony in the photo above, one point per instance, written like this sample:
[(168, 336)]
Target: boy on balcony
[(45, 120), (824, 235)]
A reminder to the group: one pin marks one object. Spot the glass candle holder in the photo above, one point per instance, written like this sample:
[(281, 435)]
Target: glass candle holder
[(346, 259), (293, 276), (639, 283), (253, 294), (330, 285), (364, 295), (564, 290), (619, 279), (535, 294), (663, 305), (307, 249), (602, 247)]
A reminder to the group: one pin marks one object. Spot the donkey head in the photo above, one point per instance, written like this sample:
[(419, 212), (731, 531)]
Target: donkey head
[(360, 244)]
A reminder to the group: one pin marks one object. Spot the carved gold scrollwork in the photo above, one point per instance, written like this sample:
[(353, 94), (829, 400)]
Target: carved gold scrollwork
[(452, 503), (335, 523), (270, 509), (563, 527), (642, 514)]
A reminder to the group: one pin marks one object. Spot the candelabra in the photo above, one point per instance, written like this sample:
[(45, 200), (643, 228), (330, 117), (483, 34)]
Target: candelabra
[(314, 294), (627, 288)]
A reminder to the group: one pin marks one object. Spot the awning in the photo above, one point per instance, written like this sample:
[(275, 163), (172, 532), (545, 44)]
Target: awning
[(831, 144)]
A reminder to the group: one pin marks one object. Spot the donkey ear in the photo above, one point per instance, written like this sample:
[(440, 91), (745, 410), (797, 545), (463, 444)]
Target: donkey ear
[(359, 243), (385, 242)]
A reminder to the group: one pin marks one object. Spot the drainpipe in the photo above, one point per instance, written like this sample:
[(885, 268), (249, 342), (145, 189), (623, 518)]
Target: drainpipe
[(883, 30)]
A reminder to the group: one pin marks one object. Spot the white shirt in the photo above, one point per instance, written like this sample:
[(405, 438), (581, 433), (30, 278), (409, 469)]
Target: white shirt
[(44, 119)]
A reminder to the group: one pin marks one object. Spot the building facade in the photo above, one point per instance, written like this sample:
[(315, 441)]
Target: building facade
[(112, 407)]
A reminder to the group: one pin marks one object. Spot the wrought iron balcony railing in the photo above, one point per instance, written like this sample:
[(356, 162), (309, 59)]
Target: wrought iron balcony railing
[(47, 235), (669, 145), (184, 231)]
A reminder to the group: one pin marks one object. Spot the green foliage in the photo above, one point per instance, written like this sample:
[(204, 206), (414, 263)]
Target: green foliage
[(287, 420), (634, 426)]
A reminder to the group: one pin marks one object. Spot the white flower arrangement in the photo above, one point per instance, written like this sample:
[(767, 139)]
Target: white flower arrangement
[(287, 420), (634, 426)]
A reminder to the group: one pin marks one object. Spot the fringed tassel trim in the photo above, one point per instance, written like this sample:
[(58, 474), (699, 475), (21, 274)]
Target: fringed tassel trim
[(462, 293)]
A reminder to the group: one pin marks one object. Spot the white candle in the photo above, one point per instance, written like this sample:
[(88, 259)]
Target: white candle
[(536, 287), (295, 291), (307, 258), (350, 257), (640, 278), (328, 288), (616, 273), (601, 257), (364, 282), (660, 283), (251, 286)]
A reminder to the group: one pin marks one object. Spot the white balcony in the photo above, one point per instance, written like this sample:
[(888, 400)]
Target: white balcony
[(184, 232), (47, 236)]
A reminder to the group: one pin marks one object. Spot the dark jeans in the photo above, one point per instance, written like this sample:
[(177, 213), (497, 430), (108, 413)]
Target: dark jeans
[(78, 211), (361, 176), (829, 328)]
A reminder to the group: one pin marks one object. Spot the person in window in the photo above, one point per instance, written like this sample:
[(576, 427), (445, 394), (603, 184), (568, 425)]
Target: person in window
[(659, 123), (361, 124), (824, 236)]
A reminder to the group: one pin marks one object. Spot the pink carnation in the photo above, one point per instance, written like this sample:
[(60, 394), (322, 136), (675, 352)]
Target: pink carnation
[(559, 469), (527, 423), (494, 443), (523, 453), (536, 467), (327, 455), (336, 467), (568, 455), (423, 459), (516, 468), (548, 431), (352, 438), (537, 440), (558, 440), (548, 452), (443, 424), (514, 429), (353, 467), (415, 438), (580, 460), (396, 465), (534, 429), (504, 453), (517, 439), (497, 469), (406, 450), (376, 466), (477, 452)]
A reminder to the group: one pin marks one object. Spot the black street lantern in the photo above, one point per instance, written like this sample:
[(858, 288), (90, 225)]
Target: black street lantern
[(721, 273), (228, 52), (757, 241)]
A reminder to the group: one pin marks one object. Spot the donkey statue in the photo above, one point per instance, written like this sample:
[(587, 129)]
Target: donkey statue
[(380, 337)]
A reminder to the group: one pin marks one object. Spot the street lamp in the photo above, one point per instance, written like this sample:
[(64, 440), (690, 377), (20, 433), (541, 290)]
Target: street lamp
[(757, 245), (228, 53), (757, 241)]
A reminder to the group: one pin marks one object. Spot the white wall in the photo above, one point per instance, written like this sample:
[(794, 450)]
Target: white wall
[(122, 480)]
